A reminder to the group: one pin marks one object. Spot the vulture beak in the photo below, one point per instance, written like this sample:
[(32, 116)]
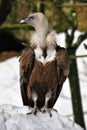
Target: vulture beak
[(24, 21)]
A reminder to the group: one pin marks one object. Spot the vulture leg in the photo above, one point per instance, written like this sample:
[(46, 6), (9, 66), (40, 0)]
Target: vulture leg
[(34, 98), (45, 108)]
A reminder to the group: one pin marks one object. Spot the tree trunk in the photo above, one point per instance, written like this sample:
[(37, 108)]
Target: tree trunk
[(5, 8), (75, 93), (40, 6)]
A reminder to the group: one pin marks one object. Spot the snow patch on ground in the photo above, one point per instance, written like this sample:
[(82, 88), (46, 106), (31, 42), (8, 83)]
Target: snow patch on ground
[(15, 118), (10, 92), (9, 82)]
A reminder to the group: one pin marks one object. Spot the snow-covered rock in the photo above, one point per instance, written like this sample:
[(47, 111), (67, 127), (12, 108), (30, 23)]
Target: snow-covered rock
[(15, 118), (11, 116)]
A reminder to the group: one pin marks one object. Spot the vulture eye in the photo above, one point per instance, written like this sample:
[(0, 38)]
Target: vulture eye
[(31, 18)]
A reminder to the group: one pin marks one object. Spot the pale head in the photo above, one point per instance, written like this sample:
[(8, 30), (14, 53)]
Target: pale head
[(36, 20)]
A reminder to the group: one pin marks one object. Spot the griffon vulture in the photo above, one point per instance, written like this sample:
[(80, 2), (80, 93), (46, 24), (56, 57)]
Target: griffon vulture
[(44, 66)]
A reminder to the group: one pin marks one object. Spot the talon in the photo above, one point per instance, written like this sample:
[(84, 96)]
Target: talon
[(29, 113), (55, 110), (44, 110), (48, 110), (34, 111), (50, 114)]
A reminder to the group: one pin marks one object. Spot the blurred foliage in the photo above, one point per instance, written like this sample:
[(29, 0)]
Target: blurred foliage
[(56, 14), (5, 8), (84, 1)]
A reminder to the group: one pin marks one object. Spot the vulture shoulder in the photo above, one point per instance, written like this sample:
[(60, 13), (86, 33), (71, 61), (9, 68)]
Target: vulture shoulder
[(27, 59), (62, 59)]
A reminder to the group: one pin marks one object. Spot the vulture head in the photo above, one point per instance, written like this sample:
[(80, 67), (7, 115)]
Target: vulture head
[(42, 38), (37, 20)]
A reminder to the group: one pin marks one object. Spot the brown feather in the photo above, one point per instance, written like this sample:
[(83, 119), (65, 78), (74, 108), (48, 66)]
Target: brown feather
[(26, 65), (34, 76)]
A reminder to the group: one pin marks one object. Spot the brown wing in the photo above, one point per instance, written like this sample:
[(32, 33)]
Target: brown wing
[(26, 65), (62, 68)]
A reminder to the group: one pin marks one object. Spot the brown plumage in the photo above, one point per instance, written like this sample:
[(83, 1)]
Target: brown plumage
[(44, 66)]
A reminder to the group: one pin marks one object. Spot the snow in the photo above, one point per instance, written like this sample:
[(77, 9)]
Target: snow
[(9, 82), (15, 118), (13, 113)]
